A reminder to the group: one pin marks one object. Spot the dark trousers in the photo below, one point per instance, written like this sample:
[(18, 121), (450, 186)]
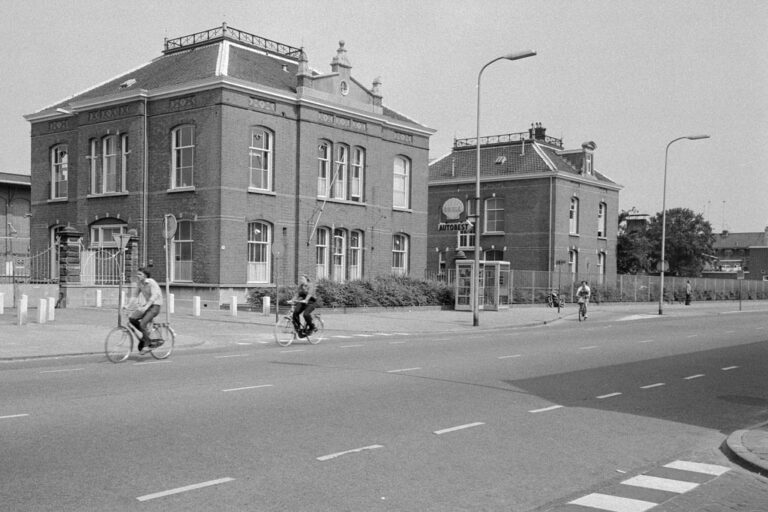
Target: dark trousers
[(306, 309), (144, 320)]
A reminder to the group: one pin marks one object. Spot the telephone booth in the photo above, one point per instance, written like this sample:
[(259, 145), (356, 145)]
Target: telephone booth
[(494, 291)]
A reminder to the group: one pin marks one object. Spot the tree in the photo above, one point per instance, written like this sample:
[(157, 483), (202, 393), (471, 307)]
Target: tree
[(632, 248), (688, 238)]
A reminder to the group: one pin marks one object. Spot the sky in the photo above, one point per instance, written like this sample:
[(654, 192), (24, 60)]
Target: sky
[(629, 75)]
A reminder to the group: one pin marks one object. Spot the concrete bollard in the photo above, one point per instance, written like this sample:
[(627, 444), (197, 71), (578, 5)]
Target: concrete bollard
[(171, 304), (98, 298), (195, 306), (22, 311), (265, 306), (123, 299), (51, 309), (233, 305), (2, 303), (42, 311)]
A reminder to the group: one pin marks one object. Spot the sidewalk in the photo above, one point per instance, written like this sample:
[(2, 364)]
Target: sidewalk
[(82, 331)]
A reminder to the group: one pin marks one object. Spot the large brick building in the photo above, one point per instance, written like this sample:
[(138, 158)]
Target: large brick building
[(540, 204), (267, 164)]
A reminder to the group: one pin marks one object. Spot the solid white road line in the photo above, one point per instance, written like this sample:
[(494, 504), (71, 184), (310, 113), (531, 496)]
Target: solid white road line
[(660, 484), (609, 395), (248, 387), (403, 370), (356, 450), (613, 503), (698, 467), (364, 335), (460, 427), (61, 371), (545, 409), (13, 416), (178, 490), (691, 377), (727, 368), (649, 386), (509, 357)]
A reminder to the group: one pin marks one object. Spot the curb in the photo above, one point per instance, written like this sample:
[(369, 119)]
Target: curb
[(734, 446)]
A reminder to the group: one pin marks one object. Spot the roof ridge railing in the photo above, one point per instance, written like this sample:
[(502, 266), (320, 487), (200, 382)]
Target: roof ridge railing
[(503, 139), (224, 32)]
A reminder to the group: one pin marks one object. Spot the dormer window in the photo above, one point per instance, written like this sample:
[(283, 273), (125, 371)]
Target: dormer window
[(588, 164), (128, 83)]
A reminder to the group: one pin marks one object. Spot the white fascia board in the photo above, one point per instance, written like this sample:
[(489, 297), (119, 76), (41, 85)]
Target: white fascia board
[(544, 157)]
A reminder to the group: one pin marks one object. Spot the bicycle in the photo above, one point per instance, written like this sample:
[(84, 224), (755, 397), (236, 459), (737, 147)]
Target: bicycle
[(582, 309), (119, 342), (554, 299), (286, 333)]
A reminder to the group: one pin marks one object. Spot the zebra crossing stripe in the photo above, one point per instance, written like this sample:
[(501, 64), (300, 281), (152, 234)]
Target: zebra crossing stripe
[(660, 484), (613, 503), (697, 467)]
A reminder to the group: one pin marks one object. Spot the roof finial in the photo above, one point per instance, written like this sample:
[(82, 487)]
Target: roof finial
[(341, 58)]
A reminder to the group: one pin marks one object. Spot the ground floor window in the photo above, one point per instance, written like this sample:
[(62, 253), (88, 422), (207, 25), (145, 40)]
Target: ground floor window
[(259, 252)]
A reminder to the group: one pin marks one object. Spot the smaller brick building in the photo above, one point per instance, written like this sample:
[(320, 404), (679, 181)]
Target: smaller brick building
[(539, 204), (271, 168)]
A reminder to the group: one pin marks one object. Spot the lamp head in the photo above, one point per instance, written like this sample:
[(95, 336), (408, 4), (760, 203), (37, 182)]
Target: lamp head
[(519, 55), (697, 137)]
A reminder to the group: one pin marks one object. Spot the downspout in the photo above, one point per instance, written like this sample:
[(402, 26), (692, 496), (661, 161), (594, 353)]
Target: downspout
[(551, 230), (145, 191)]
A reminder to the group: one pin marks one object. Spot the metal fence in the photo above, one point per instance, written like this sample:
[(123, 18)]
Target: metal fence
[(533, 286)]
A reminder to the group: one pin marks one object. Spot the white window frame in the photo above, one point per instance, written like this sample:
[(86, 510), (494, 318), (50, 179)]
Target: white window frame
[(339, 255), (573, 217), (324, 152), (181, 270), (261, 159), (101, 235), (600, 267), (182, 156), (492, 205), (259, 240), (401, 182), (400, 254), (573, 262), (59, 171), (322, 254), (465, 240), (357, 175), (108, 174), (602, 211), (356, 255), (125, 152), (93, 158), (341, 167)]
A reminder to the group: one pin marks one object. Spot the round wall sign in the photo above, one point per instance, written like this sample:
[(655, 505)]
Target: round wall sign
[(453, 208)]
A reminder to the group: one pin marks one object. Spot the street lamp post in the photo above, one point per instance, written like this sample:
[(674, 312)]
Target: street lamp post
[(476, 281), (662, 263)]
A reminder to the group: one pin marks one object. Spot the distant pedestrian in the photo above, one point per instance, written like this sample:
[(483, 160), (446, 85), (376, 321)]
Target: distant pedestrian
[(688, 292)]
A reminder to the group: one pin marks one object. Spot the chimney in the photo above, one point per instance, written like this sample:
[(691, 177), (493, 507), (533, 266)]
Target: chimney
[(539, 132), (303, 75)]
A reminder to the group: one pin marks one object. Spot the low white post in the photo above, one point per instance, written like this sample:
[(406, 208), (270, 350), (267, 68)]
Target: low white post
[(171, 303), (42, 311), (233, 305), (98, 298), (265, 305), (196, 305), (51, 309), (2, 303), (22, 312), (122, 298)]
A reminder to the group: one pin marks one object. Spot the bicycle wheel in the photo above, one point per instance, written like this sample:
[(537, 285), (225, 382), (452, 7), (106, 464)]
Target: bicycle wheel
[(582, 312), (317, 337), (118, 344), (284, 333), (169, 338)]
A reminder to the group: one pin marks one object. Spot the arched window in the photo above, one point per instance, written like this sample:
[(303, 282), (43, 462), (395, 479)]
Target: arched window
[(601, 214), (600, 267), (182, 156), (339, 255), (573, 216), (261, 159), (401, 183), (59, 171), (181, 256), (341, 167), (321, 254), (573, 263), (108, 176), (355, 255), (259, 252), (400, 254)]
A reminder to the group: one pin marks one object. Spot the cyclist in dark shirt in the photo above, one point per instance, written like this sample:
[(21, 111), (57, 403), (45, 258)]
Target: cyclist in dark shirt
[(304, 304)]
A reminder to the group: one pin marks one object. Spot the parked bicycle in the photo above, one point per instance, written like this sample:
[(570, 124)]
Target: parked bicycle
[(555, 300), (286, 333), (119, 342)]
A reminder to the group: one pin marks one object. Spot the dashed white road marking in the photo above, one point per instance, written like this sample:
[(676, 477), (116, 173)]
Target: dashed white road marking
[(356, 450), (363, 335), (184, 489), (342, 336), (459, 427), (609, 395), (397, 342), (613, 503), (384, 334), (590, 347), (692, 336), (231, 355), (546, 409), (13, 416), (350, 346), (247, 343), (248, 387), (290, 351), (691, 377), (403, 370), (646, 341), (510, 357), (698, 467), (62, 371), (728, 368), (649, 386), (660, 484)]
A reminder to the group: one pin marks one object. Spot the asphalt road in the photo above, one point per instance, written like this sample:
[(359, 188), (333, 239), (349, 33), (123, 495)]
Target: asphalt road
[(524, 419)]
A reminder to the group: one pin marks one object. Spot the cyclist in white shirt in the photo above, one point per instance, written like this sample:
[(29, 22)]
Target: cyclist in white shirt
[(149, 290), (583, 294)]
